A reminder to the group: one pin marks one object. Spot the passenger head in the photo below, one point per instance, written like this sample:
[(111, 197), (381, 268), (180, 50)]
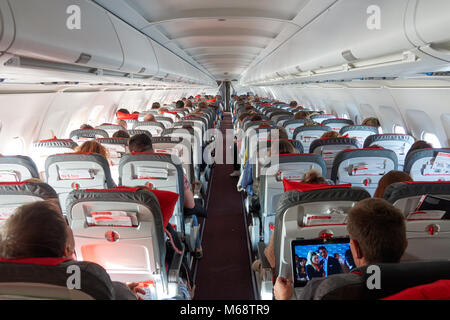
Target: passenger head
[(140, 143), (92, 147), (123, 124), (86, 127), (180, 104), (282, 134), (256, 117), (323, 252), (121, 134), (312, 258), (37, 230), (330, 134), (188, 104), (313, 176), (156, 105), (286, 147), (202, 105), (293, 104), (372, 122), (149, 118), (301, 115), (388, 179), (377, 232), (419, 145)]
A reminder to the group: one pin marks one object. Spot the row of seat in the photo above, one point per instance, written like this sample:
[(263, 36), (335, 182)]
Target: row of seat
[(360, 169), (84, 185)]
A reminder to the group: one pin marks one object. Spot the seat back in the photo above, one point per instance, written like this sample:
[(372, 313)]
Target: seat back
[(47, 278), (329, 148), (307, 134), (311, 215), (117, 148), (363, 167), (359, 133), (43, 149), (179, 148), (319, 118), (256, 124), (428, 231), (162, 171), (292, 125), (394, 277), (290, 167), (428, 165), (337, 124), (17, 169), (122, 230), (73, 171), (154, 128), (16, 194), (167, 122), (81, 135), (399, 143), (281, 120), (110, 128), (136, 132)]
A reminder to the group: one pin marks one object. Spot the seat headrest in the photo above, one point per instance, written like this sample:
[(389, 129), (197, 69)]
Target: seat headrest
[(402, 190), (35, 189), (420, 154), (88, 133), (333, 142), (95, 282), (388, 137), (394, 278), (293, 198), (56, 143), (136, 132), (346, 129), (24, 161)]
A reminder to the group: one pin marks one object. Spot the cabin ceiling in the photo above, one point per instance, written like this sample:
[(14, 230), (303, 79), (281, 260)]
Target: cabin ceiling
[(221, 37)]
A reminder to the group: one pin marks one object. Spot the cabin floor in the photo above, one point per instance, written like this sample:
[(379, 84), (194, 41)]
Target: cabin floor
[(224, 273)]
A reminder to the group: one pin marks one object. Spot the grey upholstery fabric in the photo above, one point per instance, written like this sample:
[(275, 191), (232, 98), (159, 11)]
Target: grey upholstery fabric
[(91, 133), (387, 137), (94, 280), (93, 157), (36, 189), (401, 190), (362, 153), (332, 142), (420, 154), (24, 161)]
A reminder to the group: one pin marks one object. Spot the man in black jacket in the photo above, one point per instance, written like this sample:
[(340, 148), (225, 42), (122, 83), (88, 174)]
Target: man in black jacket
[(330, 265)]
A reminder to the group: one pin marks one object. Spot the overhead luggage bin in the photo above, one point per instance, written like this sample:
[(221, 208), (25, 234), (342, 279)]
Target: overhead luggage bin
[(139, 56), (52, 37)]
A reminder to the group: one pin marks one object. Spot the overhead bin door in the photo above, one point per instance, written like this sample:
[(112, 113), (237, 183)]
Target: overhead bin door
[(427, 26), (6, 26), (138, 51), (341, 35), (48, 30)]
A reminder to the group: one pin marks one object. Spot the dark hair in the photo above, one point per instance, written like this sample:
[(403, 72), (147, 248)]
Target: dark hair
[(390, 178), (180, 104), (256, 117), (322, 248), (123, 111), (419, 145), (293, 104), (380, 230), (156, 105), (86, 127), (35, 230), (121, 134), (140, 143), (301, 115)]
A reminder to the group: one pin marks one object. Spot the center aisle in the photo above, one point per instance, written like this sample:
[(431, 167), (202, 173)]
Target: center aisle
[(224, 273)]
